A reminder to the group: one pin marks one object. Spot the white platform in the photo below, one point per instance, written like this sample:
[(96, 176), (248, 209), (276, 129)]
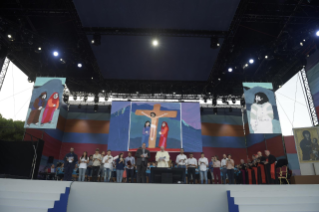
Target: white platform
[(29, 195)]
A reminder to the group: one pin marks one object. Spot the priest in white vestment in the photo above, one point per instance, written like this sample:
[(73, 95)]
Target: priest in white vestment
[(162, 158)]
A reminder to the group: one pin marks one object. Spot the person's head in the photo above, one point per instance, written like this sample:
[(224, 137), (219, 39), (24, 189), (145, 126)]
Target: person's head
[(103, 153), (129, 154), (43, 95), (216, 157), (267, 152), (71, 149), (153, 114), (55, 96), (229, 156), (202, 155), (109, 152), (162, 149), (154, 164), (97, 151), (261, 98), (191, 155), (62, 164), (163, 124), (85, 154), (224, 156), (91, 157), (182, 151), (259, 154), (306, 134), (148, 164), (147, 124), (253, 157), (52, 166), (143, 146), (242, 161), (315, 141), (121, 155)]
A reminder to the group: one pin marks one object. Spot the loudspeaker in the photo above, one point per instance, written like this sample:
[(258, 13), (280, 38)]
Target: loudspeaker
[(50, 159)]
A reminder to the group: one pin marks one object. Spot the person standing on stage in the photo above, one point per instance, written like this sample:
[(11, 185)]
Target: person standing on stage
[(203, 163), (130, 163), (270, 167), (181, 161), (120, 164), (101, 171), (70, 160), (261, 168), (97, 159), (223, 168), (216, 171), (108, 166), (142, 155), (230, 169), (83, 165), (162, 158), (191, 166)]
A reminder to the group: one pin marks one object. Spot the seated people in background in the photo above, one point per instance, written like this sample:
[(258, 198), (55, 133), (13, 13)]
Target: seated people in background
[(107, 166), (203, 164), (223, 168), (211, 169), (216, 165), (242, 168), (60, 172), (75, 171), (191, 166), (84, 160), (154, 164), (89, 167), (270, 168), (230, 169), (120, 164), (261, 168), (51, 172), (130, 163), (255, 168), (162, 158)]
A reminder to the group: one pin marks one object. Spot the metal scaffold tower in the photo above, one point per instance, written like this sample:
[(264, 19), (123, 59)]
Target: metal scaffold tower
[(4, 71)]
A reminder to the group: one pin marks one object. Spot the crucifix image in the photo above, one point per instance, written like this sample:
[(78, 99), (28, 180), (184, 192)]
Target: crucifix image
[(154, 115)]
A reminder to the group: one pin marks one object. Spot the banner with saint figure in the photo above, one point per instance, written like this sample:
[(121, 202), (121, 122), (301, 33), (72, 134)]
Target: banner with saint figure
[(307, 146)]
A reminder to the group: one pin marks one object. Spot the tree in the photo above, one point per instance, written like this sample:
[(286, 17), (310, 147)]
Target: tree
[(11, 130)]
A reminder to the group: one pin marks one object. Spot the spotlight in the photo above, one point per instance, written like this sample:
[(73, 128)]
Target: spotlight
[(301, 43), (251, 61), (230, 69), (96, 41), (214, 43), (205, 99), (219, 79), (266, 56), (85, 98), (96, 108), (55, 53), (30, 79), (11, 36), (155, 42), (317, 33), (242, 102), (80, 65), (233, 100), (96, 98), (269, 57), (103, 91), (214, 102), (224, 100), (62, 61), (66, 98), (38, 49), (91, 77)]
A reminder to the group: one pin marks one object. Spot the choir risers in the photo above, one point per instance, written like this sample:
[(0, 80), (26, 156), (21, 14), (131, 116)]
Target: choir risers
[(276, 200), (314, 207), (27, 203), (29, 195), (21, 209)]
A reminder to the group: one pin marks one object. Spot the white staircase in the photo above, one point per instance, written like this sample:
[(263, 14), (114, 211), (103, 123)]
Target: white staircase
[(276, 198), (29, 195)]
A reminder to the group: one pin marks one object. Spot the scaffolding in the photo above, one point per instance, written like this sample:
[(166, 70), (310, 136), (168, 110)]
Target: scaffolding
[(4, 71)]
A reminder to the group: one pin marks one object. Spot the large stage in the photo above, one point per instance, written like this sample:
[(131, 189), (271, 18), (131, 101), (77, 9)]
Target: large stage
[(51, 196)]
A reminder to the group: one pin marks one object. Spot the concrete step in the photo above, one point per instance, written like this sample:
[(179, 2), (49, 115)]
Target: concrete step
[(29, 195), (261, 193), (5, 208), (273, 187), (280, 208), (276, 200), (45, 204)]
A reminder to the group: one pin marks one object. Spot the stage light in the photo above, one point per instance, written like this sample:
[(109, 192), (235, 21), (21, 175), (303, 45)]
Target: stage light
[(251, 61), (96, 98), (103, 91), (96, 108), (96, 41), (214, 102), (66, 98), (91, 77), (75, 97), (269, 57), (230, 69), (266, 56), (38, 49), (155, 42), (242, 102), (85, 98), (214, 43), (317, 33), (205, 99), (233, 100), (80, 65), (301, 43), (11, 36), (304, 40), (55, 53), (79, 106), (224, 100), (219, 79), (62, 61), (106, 98)]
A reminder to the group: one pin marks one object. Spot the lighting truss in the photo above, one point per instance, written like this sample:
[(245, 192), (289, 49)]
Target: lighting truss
[(4, 71)]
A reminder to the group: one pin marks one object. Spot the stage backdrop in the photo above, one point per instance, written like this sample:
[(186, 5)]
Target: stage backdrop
[(45, 103), (307, 144), (261, 108), (172, 125)]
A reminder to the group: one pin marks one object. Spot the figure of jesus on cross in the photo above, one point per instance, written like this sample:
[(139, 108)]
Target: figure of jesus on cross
[(154, 115)]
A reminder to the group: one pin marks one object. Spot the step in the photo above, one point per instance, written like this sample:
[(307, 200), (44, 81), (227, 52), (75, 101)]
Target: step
[(262, 193), (4, 208), (27, 203), (280, 208), (274, 187), (29, 195), (276, 200)]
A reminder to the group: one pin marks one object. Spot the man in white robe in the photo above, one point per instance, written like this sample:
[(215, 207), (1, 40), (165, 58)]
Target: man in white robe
[(162, 158)]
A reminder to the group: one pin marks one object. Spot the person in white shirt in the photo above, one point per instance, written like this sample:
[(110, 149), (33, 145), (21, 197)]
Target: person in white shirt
[(181, 160), (97, 159), (162, 158), (108, 166), (83, 166), (223, 168), (191, 166), (101, 172), (130, 163), (203, 163)]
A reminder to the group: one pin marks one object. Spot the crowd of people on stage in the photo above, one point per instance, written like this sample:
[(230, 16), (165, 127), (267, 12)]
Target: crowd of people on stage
[(105, 167)]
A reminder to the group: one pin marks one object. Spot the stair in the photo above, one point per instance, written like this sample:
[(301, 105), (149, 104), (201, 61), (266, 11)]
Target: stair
[(30, 195)]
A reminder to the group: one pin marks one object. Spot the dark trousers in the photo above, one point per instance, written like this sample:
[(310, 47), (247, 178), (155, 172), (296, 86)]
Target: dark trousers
[(130, 174), (95, 172), (191, 175), (230, 173), (141, 173), (217, 178), (68, 173)]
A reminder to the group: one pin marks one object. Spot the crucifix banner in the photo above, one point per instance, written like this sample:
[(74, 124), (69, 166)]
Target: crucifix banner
[(169, 125)]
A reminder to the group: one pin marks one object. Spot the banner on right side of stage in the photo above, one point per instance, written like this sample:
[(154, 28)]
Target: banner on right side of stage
[(306, 140), (261, 108)]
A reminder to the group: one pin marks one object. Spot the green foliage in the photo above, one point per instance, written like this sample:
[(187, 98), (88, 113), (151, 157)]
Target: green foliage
[(11, 130)]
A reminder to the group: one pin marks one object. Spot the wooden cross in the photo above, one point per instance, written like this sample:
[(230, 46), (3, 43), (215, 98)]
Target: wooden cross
[(154, 115)]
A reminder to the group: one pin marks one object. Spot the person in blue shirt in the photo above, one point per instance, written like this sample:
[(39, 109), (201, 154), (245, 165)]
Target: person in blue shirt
[(60, 171), (148, 172), (75, 170), (120, 164)]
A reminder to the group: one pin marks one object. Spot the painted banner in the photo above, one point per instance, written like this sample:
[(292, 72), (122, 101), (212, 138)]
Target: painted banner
[(306, 140), (169, 125), (261, 108), (45, 103)]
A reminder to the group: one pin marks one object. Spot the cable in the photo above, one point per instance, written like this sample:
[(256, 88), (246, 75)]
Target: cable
[(284, 112), (291, 99)]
